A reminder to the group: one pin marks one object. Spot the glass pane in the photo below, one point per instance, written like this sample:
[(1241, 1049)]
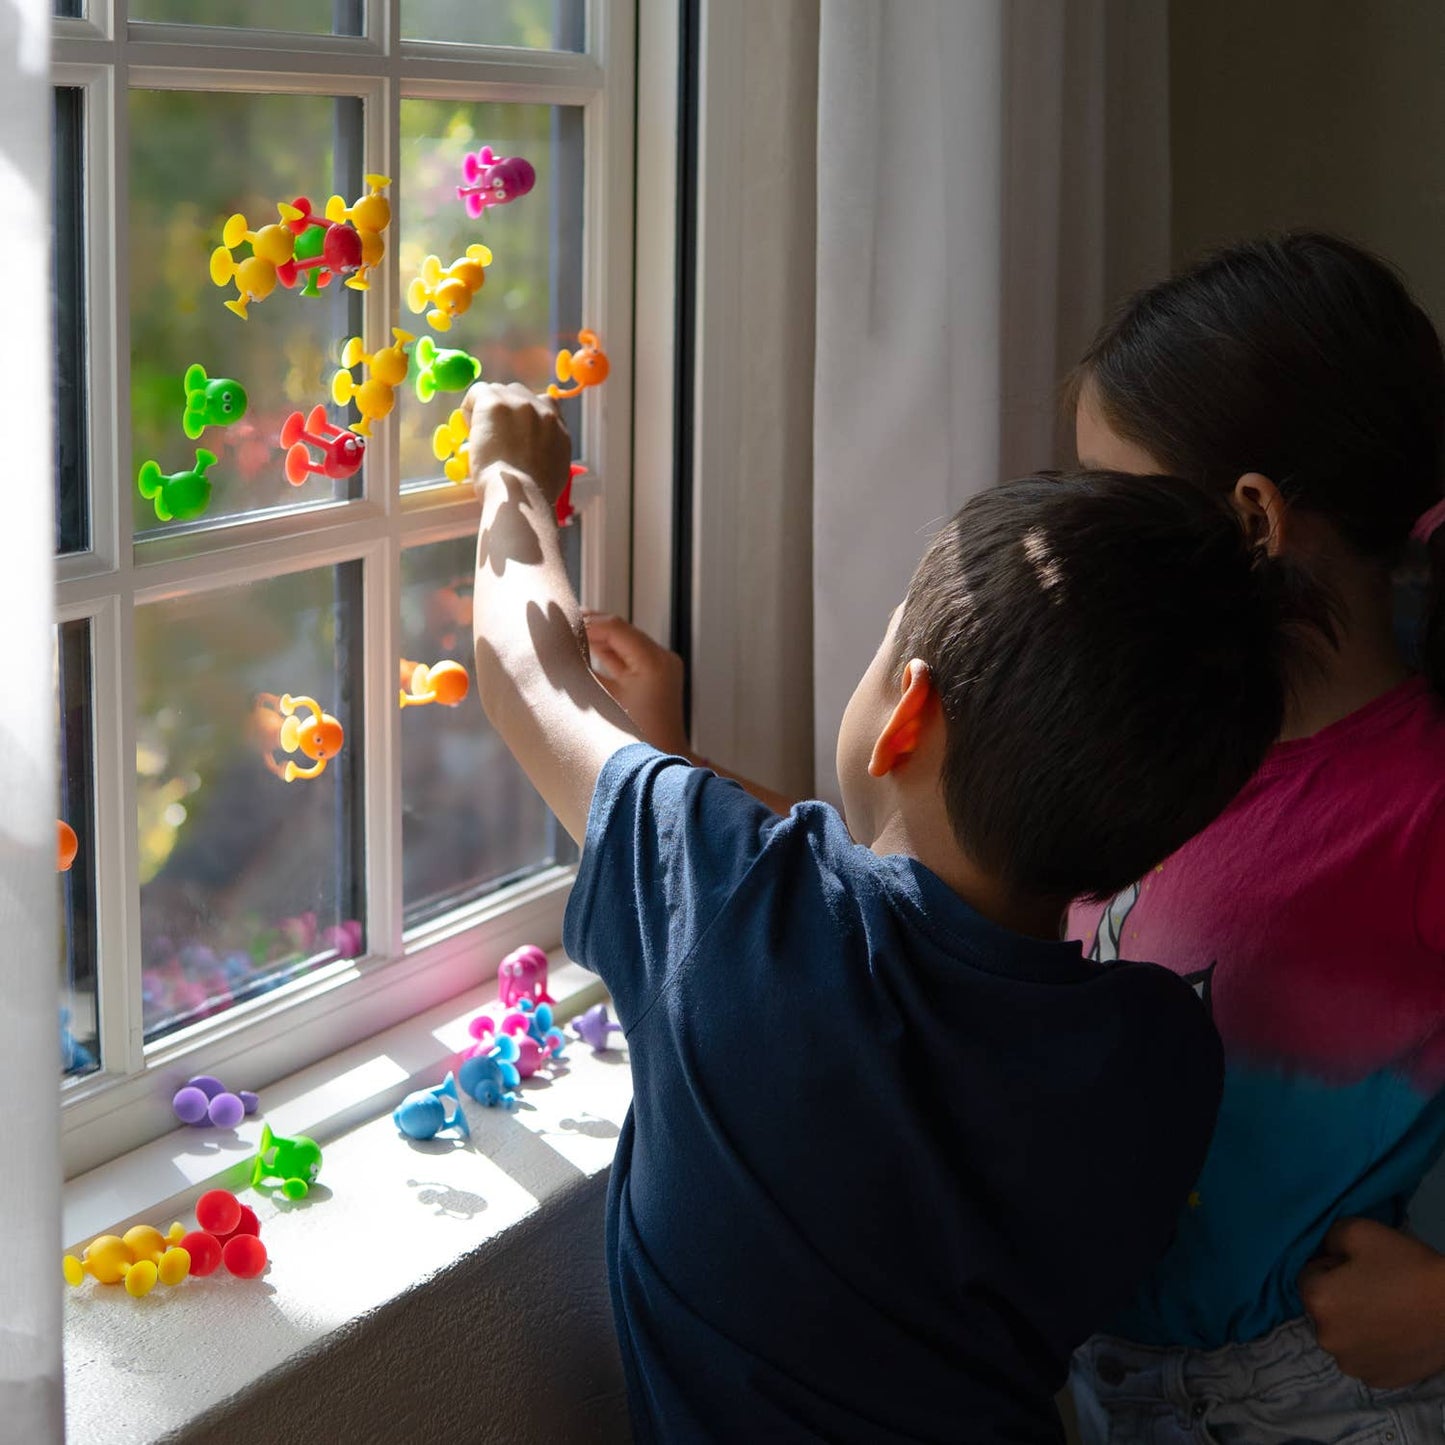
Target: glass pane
[(67, 192), (470, 818), (531, 301), (307, 17), (70, 8), (79, 1018), (535, 24), (184, 184), (246, 880)]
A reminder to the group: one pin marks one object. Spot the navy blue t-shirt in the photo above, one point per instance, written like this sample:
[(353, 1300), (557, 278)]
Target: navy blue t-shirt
[(887, 1162)]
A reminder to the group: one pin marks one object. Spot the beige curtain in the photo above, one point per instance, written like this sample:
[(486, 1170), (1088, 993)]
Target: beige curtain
[(753, 463), (990, 174)]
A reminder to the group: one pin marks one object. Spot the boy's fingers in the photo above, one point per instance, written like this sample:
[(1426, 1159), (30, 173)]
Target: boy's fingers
[(604, 627), (628, 642), (475, 393), (607, 657), (513, 390)]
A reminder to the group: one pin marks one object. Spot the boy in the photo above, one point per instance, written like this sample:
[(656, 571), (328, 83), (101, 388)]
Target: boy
[(895, 1149)]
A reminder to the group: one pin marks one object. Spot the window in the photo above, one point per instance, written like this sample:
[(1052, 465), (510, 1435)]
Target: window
[(217, 917)]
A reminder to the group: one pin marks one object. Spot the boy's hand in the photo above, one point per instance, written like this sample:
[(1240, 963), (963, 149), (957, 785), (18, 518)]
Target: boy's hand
[(521, 430), (1377, 1299), (644, 677)]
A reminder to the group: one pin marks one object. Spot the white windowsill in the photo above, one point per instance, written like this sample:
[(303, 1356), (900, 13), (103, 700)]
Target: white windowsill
[(386, 1214)]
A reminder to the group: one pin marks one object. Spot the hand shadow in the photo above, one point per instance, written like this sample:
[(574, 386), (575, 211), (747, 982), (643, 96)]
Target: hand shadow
[(510, 537)]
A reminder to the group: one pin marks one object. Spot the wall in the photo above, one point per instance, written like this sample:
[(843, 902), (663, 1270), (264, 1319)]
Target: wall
[(510, 1345), (1298, 112)]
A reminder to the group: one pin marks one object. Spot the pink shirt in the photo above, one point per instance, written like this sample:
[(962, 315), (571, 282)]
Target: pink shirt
[(1311, 915)]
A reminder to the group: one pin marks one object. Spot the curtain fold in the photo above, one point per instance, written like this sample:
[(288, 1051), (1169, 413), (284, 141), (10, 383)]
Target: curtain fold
[(30, 1370), (991, 174)]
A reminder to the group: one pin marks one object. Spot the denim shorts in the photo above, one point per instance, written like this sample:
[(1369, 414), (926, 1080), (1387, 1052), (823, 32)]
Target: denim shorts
[(1279, 1390)]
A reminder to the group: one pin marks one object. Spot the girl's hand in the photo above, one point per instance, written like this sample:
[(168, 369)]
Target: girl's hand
[(1377, 1299), (644, 677)]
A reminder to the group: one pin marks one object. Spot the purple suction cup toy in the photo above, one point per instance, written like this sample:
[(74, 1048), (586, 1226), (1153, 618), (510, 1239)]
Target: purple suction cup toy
[(190, 1104), (595, 1028), (226, 1111), (206, 1100)]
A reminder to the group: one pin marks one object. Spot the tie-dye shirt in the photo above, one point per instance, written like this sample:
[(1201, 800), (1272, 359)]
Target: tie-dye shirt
[(1311, 917)]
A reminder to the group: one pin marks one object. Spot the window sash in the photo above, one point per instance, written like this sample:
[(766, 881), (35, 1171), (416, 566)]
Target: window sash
[(403, 971)]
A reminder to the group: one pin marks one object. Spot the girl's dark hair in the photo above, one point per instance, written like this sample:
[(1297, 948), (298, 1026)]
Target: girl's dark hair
[(1301, 357), (1111, 656)]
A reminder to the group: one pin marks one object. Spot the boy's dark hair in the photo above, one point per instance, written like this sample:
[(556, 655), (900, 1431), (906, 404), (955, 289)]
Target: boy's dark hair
[(1304, 358), (1111, 655)]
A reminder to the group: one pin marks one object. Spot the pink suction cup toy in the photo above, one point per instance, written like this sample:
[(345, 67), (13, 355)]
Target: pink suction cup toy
[(493, 180), (523, 974)]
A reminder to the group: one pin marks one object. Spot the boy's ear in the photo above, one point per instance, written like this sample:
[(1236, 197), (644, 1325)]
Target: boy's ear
[(904, 729), (1264, 510)]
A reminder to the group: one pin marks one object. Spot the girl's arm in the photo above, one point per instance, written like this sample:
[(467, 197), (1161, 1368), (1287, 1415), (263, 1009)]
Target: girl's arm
[(533, 677), (1377, 1299)]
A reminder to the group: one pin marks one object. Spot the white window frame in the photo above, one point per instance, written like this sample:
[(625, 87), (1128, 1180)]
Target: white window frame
[(126, 1102)]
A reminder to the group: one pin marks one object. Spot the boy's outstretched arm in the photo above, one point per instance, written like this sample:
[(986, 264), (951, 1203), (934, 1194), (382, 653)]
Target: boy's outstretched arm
[(532, 673)]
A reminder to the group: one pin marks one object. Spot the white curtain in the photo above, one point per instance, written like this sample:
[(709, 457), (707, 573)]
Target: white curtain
[(30, 1379), (991, 174)]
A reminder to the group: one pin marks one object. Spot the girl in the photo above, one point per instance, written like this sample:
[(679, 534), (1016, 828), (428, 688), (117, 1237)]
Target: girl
[(1297, 375)]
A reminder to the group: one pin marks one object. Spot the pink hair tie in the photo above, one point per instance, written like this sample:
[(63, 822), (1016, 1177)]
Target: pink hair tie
[(1428, 522)]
